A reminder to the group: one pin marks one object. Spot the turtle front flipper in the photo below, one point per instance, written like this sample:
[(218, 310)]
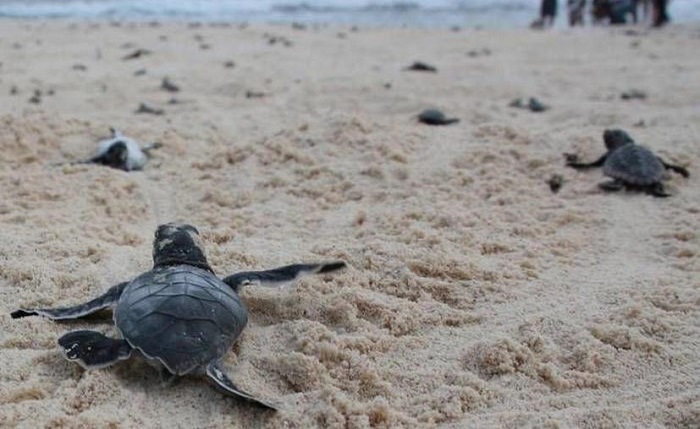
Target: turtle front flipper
[(676, 168), (573, 162), (151, 146), (80, 310), (93, 350), (221, 380), (279, 276)]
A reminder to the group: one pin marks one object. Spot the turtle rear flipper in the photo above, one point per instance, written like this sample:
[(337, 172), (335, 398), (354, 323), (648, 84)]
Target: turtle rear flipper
[(279, 276), (116, 157), (676, 168), (93, 350), (658, 190), (611, 185), (220, 379), (109, 298)]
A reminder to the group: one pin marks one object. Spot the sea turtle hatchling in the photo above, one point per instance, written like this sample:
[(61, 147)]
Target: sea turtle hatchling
[(121, 152), (629, 165), (435, 117), (179, 313)]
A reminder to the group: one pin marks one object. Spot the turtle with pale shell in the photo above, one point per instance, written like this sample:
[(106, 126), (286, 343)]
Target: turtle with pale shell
[(121, 152)]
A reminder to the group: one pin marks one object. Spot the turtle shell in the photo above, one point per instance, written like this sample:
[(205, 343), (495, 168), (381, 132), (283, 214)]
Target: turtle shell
[(181, 315), (431, 116), (634, 165), (135, 159), (435, 117)]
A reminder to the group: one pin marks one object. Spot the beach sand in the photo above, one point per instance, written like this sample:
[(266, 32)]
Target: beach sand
[(474, 298)]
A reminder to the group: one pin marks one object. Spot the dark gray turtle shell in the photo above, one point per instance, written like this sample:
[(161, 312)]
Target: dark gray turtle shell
[(634, 165), (181, 315), (431, 115)]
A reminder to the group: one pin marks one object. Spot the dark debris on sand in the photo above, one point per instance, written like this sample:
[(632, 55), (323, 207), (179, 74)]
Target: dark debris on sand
[(169, 86), (273, 40), (254, 94), (148, 109), (483, 52), (633, 94), (36, 97), (136, 54), (555, 182)]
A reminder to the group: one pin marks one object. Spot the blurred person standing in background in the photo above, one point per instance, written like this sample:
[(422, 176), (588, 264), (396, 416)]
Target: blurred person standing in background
[(576, 9), (660, 13)]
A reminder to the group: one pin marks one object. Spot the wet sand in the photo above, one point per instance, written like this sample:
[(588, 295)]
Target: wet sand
[(475, 296)]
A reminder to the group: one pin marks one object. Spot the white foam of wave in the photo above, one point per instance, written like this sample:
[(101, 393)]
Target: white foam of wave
[(232, 8)]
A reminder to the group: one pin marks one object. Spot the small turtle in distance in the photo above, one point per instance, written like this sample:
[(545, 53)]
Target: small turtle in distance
[(121, 152), (148, 109), (168, 85), (138, 53), (629, 165), (421, 67), (435, 117), (179, 314), (532, 104), (633, 94)]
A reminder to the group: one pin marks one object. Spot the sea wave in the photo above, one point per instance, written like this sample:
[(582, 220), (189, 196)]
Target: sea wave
[(403, 6), (234, 8), (432, 13)]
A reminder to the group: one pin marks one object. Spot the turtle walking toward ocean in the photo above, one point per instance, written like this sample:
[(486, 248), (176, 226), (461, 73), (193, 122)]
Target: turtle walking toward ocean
[(435, 117), (121, 152), (179, 314), (629, 165)]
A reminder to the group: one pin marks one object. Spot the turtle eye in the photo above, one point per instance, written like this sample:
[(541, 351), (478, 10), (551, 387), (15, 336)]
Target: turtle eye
[(191, 228), (160, 230)]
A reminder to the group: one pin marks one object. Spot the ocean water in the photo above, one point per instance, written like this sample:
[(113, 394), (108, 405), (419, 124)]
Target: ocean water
[(420, 13)]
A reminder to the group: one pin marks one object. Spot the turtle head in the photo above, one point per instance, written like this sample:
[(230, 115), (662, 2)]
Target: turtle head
[(616, 138), (178, 244)]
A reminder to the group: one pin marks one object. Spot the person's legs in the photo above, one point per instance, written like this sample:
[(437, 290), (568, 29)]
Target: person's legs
[(660, 14), (548, 12), (664, 11)]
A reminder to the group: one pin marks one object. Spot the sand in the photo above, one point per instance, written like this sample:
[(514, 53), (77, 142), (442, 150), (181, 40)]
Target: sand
[(475, 296)]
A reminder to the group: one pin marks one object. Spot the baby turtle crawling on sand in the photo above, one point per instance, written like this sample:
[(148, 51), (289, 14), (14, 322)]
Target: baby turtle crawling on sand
[(421, 66), (121, 152), (629, 165), (435, 117), (532, 104), (179, 313)]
